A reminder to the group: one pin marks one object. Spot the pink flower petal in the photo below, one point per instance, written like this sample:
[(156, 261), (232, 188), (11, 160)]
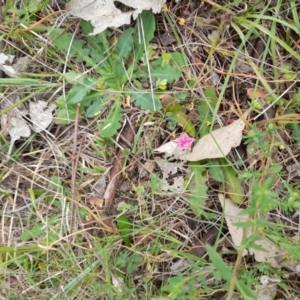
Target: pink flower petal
[(185, 142)]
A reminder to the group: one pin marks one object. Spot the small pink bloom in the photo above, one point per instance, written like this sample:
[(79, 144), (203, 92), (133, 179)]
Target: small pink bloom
[(185, 142)]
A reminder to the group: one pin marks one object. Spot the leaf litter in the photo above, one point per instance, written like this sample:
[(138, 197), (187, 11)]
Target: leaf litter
[(232, 214), (214, 148), (104, 13)]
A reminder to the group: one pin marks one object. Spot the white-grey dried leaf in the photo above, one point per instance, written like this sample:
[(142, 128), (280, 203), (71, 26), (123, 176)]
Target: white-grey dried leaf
[(104, 13), (40, 115), (15, 125), (5, 65)]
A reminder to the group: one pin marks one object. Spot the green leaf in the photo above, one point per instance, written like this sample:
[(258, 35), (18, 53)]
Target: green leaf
[(274, 169), (124, 227), (32, 233), (65, 116), (218, 263), (37, 229), (167, 72), (233, 184), (77, 93), (197, 188), (144, 32), (245, 291), (147, 102), (96, 106), (125, 43), (112, 123), (206, 107), (178, 59), (216, 172)]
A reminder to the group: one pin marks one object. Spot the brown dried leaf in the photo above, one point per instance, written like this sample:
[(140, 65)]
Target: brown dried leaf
[(256, 93)]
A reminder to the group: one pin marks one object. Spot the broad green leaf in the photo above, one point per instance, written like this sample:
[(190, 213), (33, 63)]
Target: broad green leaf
[(178, 59), (37, 229), (167, 72), (125, 43), (233, 184), (112, 123), (274, 169), (124, 227), (185, 122), (216, 172), (147, 101), (77, 93), (197, 188), (144, 32), (32, 233), (96, 106), (218, 263), (74, 47), (66, 116)]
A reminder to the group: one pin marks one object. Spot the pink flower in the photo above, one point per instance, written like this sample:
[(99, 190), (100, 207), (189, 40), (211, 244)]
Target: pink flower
[(185, 142)]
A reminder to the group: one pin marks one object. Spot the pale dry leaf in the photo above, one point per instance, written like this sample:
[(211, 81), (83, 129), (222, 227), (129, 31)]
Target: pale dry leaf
[(218, 143), (99, 187), (268, 289), (170, 148), (232, 212), (40, 115), (22, 64), (5, 65), (104, 13), (118, 283), (16, 126)]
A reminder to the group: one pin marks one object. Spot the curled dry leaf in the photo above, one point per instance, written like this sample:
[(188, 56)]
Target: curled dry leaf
[(104, 13), (231, 212), (218, 143)]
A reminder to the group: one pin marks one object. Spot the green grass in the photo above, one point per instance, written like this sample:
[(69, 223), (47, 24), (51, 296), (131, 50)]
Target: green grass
[(59, 240)]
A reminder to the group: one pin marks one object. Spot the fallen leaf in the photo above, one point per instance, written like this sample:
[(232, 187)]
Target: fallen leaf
[(268, 289), (96, 202), (256, 93), (5, 65), (104, 13), (218, 143), (172, 179), (170, 148), (232, 215), (17, 126), (231, 212), (40, 115)]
